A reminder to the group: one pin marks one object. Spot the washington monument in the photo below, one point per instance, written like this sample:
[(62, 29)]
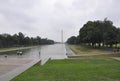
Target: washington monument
[(61, 36)]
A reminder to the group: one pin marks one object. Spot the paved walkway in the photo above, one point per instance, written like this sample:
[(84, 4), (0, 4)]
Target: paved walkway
[(69, 52), (90, 55), (116, 58), (11, 67)]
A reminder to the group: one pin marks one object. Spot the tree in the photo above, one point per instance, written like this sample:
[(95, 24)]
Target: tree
[(16, 40), (27, 41), (21, 38), (7, 40), (38, 40), (98, 32), (72, 40), (1, 41), (118, 37)]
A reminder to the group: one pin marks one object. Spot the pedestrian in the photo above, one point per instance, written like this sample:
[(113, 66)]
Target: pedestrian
[(39, 54), (5, 56)]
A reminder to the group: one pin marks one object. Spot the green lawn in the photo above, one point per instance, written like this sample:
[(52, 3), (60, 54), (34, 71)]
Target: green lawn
[(78, 49), (82, 69)]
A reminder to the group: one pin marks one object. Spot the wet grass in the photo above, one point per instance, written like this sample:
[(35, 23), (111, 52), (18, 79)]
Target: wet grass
[(82, 69), (78, 49)]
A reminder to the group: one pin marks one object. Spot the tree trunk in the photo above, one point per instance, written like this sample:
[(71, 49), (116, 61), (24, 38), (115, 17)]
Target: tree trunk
[(116, 45), (99, 44)]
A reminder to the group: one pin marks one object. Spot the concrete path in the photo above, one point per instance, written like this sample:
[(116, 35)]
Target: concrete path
[(116, 58), (69, 52), (11, 67), (80, 55)]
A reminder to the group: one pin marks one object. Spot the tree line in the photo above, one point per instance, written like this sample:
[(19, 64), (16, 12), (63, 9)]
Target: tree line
[(7, 40), (97, 33)]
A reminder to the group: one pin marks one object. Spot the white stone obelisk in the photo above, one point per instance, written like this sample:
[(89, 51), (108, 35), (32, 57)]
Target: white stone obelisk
[(61, 36)]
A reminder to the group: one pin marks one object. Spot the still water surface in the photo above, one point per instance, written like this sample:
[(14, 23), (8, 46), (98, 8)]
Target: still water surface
[(56, 51)]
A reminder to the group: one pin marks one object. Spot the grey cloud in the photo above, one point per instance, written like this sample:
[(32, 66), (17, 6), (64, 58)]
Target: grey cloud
[(48, 17)]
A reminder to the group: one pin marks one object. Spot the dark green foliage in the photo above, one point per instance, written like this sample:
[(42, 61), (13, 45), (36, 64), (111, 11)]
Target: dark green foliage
[(72, 40), (118, 36), (99, 33), (7, 40)]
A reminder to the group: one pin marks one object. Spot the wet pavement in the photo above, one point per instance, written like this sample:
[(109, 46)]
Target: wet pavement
[(9, 68), (116, 58), (69, 52), (15, 64)]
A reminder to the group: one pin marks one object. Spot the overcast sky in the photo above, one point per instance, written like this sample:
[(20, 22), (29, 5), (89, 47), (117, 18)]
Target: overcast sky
[(46, 18)]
